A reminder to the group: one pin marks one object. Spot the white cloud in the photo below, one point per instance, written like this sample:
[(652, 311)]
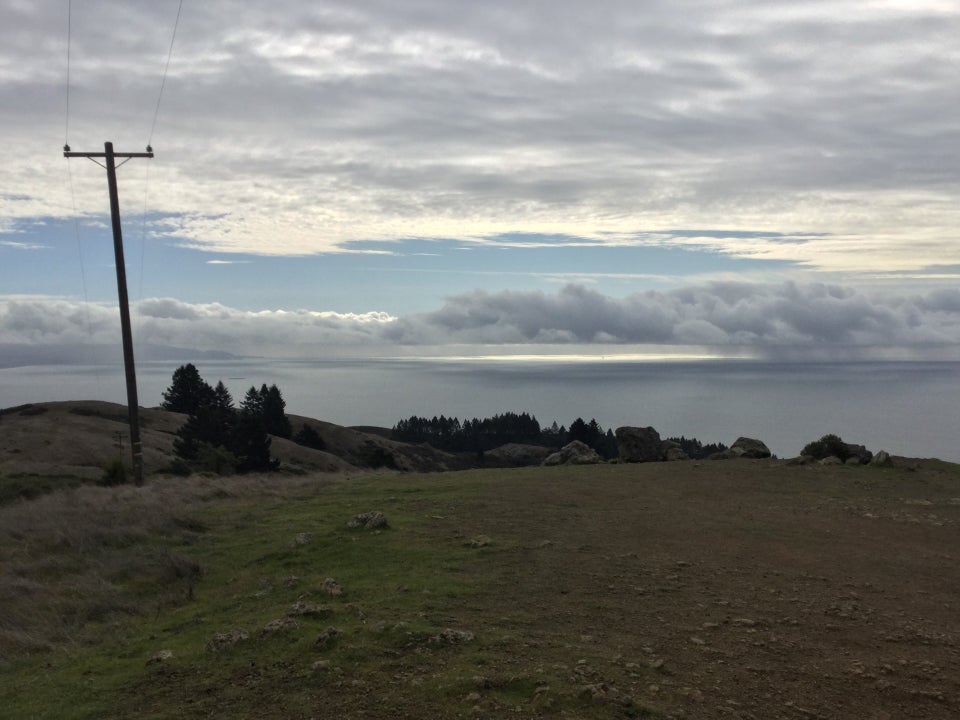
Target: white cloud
[(772, 320), (293, 128)]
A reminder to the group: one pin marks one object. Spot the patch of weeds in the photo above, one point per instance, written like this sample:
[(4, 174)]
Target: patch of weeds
[(22, 486), (114, 473), (31, 410)]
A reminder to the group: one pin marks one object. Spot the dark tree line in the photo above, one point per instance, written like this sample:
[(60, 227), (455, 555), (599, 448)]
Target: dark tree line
[(218, 436), (481, 435), (695, 449)]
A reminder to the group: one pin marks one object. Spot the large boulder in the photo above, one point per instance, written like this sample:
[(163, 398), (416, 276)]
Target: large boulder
[(744, 447), (516, 455), (672, 451), (636, 444), (574, 453), (882, 459), (862, 455)]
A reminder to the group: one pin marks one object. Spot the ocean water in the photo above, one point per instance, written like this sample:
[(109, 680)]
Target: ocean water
[(909, 408)]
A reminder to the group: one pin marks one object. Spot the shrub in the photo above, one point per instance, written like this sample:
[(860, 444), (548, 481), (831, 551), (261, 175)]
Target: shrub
[(216, 459), (308, 437), (827, 446), (114, 473)]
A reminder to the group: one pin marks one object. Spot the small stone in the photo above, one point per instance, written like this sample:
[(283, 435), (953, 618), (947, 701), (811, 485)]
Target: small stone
[(279, 625), (327, 638), (473, 697), (449, 636), (373, 520), (304, 609), (320, 665), (478, 542), (224, 641), (331, 587), (482, 682), (301, 539), (161, 656)]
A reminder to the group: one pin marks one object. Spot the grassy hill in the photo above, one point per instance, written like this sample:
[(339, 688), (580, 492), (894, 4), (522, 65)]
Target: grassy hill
[(45, 446), (741, 589)]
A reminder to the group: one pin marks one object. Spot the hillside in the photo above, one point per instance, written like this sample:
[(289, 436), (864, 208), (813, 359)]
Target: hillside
[(72, 441), (740, 589)]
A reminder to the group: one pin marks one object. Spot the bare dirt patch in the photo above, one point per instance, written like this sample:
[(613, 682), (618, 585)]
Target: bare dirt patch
[(749, 589)]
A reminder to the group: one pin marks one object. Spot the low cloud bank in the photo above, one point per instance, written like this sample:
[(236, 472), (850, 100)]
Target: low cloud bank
[(769, 320)]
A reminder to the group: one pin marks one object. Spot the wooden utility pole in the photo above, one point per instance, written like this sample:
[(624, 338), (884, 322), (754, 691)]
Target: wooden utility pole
[(132, 407)]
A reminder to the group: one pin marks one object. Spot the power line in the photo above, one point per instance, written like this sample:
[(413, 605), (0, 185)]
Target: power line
[(66, 128), (163, 82)]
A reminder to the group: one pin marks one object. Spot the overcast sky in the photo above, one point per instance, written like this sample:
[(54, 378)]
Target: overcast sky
[(750, 174)]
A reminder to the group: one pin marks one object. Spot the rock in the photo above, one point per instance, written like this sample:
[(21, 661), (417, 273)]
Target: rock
[(574, 453), (331, 587), (159, 657), (478, 542), (636, 444), (673, 452), (516, 455), (327, 638), (373, 520), (859, 452), (449, 636), (303, 609), (301, 539), (225, 641), (279, 625), (802, 460), (853, 460), (882, 459), (831, 460), (750, 448)]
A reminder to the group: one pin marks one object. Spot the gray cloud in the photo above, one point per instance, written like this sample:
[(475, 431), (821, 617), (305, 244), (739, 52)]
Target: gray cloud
[(293, 128), (769, 320)]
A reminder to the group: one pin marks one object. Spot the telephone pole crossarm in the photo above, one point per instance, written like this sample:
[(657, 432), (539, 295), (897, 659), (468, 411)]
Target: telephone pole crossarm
[(130, 370), (70, 154)]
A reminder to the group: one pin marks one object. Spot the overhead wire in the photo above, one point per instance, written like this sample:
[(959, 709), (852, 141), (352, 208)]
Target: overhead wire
[(66, 143), (166, 69), (66, 125), (146, 186), (76, 214)]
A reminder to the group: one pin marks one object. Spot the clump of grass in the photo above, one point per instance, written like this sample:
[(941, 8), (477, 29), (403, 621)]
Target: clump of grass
[(92, 554), (114, 473)]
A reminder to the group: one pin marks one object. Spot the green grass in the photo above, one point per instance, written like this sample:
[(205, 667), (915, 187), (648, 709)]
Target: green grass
[(396, 583)]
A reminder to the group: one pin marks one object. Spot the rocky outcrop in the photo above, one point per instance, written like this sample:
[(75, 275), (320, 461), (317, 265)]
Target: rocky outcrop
[(636, 444), (858, 455), (516, 455), (574, 453), (882, 459), (744, 447), (750, 448), (672, 451)]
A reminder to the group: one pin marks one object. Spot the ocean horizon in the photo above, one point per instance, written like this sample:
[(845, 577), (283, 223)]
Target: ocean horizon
[(904, 407)]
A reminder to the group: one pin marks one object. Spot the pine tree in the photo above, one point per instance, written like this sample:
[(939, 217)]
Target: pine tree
[(274, 418), (187, 392)]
